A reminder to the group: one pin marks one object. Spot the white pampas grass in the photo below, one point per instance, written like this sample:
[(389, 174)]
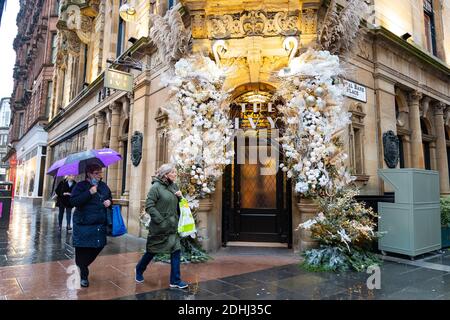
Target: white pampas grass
[(169, 35), (339, 29)]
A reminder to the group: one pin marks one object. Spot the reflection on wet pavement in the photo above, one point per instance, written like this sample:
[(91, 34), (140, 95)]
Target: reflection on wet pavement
[(32, 236), (36, 262)]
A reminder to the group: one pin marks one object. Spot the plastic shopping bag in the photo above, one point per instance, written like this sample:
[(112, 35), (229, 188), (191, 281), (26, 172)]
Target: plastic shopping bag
[(118, 225), (186, 223)]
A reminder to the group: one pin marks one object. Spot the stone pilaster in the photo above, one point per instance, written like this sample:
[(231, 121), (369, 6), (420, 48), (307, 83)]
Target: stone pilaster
[(441, 147), (100, 127), (416, 132), (114, 144), (204, 220), (128, 105), (407, 151)]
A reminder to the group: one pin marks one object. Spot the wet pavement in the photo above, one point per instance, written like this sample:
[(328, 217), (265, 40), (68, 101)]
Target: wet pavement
[(33, 237), (36, 262)]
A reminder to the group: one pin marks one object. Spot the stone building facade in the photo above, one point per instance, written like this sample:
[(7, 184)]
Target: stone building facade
[(399, 82), (35, 48), (5, 118)]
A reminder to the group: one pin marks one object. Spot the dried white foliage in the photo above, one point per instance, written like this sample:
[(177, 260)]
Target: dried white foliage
[(169, 35), (340, 28)]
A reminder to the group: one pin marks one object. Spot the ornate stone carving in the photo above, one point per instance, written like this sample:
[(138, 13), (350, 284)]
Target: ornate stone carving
[(415, 97), (253, 23), (391, 149), (425, 105), (198, 26), (439, 108), (136, 148), (309, 21), (73, 42), (72, 18), (273, 63)]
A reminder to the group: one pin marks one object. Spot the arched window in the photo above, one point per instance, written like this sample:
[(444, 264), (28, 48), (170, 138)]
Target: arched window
[(356, 141), (162, 154)]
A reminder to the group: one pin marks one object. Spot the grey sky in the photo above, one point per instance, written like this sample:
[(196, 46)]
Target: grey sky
[(8, 31)]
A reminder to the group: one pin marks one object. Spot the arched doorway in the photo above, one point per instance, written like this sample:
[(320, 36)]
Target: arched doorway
[(256, 195)]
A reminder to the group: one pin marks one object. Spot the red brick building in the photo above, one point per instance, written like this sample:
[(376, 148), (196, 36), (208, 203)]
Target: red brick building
[(35, 46)]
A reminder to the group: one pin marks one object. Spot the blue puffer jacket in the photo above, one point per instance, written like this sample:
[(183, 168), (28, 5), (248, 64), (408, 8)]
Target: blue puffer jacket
[(89, 218)]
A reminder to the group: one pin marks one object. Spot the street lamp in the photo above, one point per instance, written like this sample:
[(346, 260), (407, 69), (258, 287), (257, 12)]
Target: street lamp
[(127, 12)]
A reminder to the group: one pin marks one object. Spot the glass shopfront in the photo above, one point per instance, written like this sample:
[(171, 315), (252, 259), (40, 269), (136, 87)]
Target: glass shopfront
[(74, 143), (27, 174)]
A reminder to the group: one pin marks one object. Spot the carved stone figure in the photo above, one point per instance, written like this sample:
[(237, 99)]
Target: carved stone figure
[(136, 148), (391, 149)]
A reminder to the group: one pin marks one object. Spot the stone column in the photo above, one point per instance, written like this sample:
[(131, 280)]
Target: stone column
[(90, 139), (100, 127), (433, 160), (416, 132), (441, 147), (120, 168), (128, 105), (308, 209), (203, 217), (114, 144), (407, 150)]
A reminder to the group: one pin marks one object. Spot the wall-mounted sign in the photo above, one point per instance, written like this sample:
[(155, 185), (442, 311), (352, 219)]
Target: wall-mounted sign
[(118, 80), (355, 91)]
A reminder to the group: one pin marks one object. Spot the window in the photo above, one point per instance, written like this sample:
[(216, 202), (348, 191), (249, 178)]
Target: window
[(426, 144), (162, 152), (430, 29), (56, 7), (120, 35), (5, 114), (48, 102), (3, 139), (172, 3), (21, 124), (401, 152), (356, 136), (54, 45)]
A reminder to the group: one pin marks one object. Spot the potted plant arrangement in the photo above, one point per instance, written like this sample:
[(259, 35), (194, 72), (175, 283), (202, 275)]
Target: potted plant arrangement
[(445, 221)]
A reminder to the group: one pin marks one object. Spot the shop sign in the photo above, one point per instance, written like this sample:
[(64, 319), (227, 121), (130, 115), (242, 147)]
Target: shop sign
[(355, 91), (118, 80)]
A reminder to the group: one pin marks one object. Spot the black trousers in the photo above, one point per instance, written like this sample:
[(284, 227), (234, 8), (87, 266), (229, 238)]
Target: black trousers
[(84, 257), (61, 215)]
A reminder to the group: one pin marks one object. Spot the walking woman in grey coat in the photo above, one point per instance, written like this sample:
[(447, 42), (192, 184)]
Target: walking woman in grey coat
[(162, 205)]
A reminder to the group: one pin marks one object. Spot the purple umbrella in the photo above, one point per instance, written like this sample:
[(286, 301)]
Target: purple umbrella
[(76, 163)]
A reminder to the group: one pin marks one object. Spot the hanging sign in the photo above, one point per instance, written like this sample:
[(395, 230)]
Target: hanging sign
[(118, 80), (355, 91)]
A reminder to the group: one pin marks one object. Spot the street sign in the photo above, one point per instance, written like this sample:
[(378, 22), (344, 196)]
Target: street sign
[(118, 80), (355, 91)]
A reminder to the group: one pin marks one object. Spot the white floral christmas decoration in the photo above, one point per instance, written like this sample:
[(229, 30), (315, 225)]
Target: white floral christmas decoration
[(199, 125)]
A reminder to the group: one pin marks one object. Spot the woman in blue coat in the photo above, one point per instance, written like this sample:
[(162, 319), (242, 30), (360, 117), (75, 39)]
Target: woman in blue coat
[(90, 198)]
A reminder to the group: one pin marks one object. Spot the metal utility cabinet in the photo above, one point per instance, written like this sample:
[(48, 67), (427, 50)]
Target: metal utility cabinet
[(412, 224)]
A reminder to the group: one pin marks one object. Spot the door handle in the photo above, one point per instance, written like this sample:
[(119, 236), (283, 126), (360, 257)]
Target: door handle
[(238, 199)]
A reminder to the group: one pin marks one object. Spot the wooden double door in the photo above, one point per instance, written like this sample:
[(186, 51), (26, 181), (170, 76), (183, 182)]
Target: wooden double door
[(256, 196)]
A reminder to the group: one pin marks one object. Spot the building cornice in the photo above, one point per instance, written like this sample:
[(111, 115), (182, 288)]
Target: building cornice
[(423, 56)]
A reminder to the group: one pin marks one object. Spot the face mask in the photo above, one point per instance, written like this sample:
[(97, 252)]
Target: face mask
[(94, 181)]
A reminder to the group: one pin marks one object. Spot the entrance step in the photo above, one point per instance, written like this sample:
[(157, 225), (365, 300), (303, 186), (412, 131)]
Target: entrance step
[(256, 244)]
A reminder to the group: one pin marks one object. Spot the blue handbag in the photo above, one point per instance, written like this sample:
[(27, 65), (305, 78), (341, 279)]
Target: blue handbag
[(118, 227)]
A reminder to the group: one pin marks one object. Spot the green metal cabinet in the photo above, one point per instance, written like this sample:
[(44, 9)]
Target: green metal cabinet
[(412, 224)]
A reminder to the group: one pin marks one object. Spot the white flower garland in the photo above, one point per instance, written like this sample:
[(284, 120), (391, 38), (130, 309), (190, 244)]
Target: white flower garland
[(199, 125), (314, 117)]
